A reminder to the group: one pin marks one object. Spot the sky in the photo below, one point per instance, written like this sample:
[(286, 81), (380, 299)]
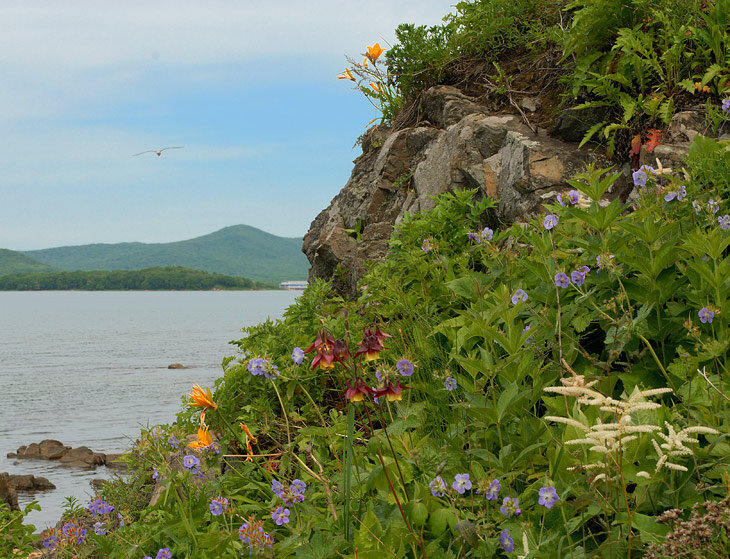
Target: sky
[(248, 89)]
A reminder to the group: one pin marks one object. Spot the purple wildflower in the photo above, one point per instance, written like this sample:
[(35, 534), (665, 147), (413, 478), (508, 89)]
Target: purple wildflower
[(164, 553), (562, 280), (639, 177), (510, 506), (277, 488), (450, 383), (550, 221), (174, 443), (51, 542), (726, 105), (256, 366), (461, 483), (99, 506), (697, 206), (548, 497), (298, 487), (493, 490), (437, 486), (218, 506), (297, 355), (518, 296), (99, 529), (506, 542), (724, 222), (486, 234), (191, 462), (713, 206), (155, 475), (280, 516), (427, 245), (405, 367), (578, 277), (529, 338), (574, 197), (560, 199), (705, 315)]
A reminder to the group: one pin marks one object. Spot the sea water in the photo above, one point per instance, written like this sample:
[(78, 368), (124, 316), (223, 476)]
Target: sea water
[(91, 368)]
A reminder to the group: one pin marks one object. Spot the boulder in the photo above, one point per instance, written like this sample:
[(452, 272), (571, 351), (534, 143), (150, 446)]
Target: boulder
[(82, 457), (30, 483), (7, 493), (113, 461), (52, 450), (176, 366), (466, 148)]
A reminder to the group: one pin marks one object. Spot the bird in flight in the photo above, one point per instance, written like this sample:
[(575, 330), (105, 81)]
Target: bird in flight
[(158, 152)]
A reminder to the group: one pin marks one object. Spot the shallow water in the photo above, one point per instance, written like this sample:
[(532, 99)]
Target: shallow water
[(90, 368)]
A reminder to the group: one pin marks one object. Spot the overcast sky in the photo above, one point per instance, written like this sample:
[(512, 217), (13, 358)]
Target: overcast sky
[(248, 88)]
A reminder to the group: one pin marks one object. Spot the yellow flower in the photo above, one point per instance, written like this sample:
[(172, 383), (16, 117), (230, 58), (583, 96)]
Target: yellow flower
[(375, 51), (204, 439), (346, 75), (202, 398), (365, 62)]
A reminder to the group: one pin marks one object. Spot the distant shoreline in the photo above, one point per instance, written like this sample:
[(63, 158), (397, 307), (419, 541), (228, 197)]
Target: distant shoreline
[(167, 278)]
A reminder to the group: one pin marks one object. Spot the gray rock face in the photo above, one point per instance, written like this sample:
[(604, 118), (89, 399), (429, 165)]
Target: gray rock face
[(400, 172)]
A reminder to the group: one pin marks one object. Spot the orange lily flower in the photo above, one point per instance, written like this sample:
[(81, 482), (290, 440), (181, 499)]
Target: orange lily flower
[(202, 398), (346, 75), (249, 439), (204, 439), (375, 87), (375, 51)]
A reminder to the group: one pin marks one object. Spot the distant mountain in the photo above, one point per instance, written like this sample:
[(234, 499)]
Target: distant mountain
[(239, 250), (12, 262)]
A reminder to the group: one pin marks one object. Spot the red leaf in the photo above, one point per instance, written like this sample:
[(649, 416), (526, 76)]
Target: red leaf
[(635, 145), (653, 138)]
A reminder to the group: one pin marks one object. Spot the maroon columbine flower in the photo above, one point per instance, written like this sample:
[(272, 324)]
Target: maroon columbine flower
[(324, 345), (391, 391), (372, 343), (357, 391), (341, 351)]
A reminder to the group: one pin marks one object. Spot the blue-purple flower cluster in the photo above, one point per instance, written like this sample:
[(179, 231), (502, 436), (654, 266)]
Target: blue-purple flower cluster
[(252, 533), (293, 493), (297, 355), (577, 276), (218, 506), (484, 235), (405, 367), (260, 366), (192, 463), (99, 507), (642, 174), (679, 193), (573, 198), (163, 553), (73, 533)]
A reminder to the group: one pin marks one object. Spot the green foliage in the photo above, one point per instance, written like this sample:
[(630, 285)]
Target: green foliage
[(239, 250), (16, 538), (12, 262), (170, 277), (709, 161), (640, 58)]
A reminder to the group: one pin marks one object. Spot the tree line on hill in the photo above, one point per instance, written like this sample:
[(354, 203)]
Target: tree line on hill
[(158, 278)]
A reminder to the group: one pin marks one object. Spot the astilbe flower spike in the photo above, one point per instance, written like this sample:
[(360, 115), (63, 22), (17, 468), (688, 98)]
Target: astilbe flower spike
[(324, 347), (372, 343)]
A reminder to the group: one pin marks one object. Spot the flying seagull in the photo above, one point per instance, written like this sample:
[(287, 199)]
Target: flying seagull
[(158, 152)]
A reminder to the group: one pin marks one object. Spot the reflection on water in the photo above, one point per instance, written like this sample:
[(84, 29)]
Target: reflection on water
[(90, 368)]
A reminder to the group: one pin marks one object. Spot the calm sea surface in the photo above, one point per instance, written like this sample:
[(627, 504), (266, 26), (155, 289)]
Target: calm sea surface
[(90, 368)]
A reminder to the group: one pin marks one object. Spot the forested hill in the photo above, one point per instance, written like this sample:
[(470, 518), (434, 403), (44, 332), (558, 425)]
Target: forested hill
[(12, 262), (238, 250), (168, 278)]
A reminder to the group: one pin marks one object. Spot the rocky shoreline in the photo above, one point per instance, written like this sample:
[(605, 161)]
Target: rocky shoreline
[(52, 451)]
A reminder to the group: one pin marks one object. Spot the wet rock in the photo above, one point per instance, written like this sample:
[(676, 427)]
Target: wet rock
[(82, 457), (177, 366), (30, 483), (113, 462), (8, 495), (52, 450), (11, 455)]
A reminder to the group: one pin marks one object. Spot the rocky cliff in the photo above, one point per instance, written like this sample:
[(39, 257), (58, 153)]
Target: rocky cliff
[(457, 144)]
